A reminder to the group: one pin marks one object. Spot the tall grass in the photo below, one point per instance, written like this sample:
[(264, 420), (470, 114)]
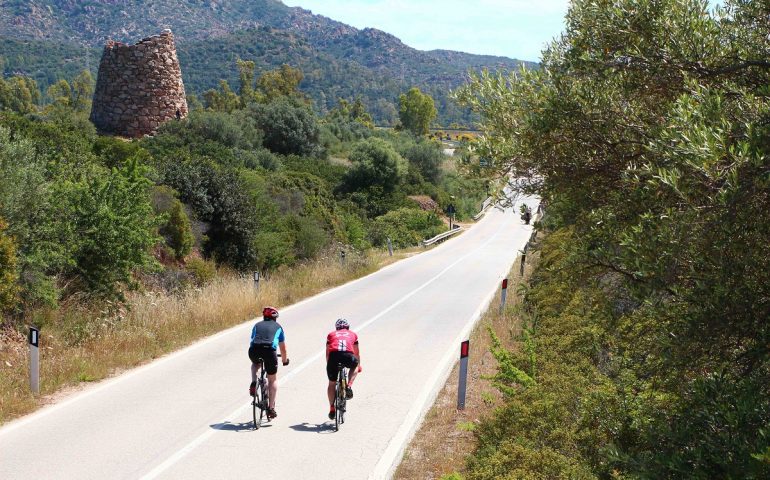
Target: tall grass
[(84, 343)]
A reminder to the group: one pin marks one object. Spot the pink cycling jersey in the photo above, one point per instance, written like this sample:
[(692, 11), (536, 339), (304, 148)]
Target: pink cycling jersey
[(341, 341)]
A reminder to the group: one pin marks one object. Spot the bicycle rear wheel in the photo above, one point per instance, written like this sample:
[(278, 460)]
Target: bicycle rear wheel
[(265, 399), (340, 400), (259, 402)]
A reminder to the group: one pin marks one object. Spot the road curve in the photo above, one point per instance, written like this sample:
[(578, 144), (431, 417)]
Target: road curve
[(187, 415)]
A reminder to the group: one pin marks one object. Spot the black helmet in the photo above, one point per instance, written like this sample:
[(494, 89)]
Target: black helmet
[(342, 323)]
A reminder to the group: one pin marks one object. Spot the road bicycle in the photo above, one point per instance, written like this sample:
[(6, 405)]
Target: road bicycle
[(260, 399), (340, 397)]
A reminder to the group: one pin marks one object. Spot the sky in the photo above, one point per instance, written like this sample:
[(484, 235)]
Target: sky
[(511, 28)]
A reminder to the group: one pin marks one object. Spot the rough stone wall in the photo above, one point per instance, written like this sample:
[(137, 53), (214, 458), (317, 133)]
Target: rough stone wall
[(139, 87)]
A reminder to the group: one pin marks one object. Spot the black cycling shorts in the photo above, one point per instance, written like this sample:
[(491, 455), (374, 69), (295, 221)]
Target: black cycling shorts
[(347, 359), (266, 353)]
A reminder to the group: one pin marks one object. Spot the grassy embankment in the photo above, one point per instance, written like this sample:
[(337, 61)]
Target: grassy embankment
[(86, 344)]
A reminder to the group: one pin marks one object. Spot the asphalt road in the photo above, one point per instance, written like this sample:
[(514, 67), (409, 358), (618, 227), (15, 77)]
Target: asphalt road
[(188, 415)]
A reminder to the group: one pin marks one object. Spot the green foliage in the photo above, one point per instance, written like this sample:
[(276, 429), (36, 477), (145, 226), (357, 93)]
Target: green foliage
[(273, 249), (406, 227), (114, 225), (246, 80), (427, 157), (19, 94), (82, 92), (202, 271), (233, 221), (345, 123), (222, 100), (178, 231), (281, 82), (509, 375), (375, 163), (8, 274), (76, 96), (466, 426), (35, 219), (308, 235), (452, 476), (416, 111), (289, 128), (645, 132)]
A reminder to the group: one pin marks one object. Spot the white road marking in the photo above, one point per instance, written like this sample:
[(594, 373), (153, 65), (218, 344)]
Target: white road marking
[(393, 449)]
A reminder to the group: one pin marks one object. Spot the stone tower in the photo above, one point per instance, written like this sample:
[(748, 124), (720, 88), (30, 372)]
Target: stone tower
[(139, 87)]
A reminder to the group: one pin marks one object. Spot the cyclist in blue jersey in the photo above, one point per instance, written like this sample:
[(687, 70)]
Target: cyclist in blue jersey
[(266, 337)]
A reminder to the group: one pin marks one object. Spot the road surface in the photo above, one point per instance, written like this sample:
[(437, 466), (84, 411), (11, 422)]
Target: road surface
[(187, 415)]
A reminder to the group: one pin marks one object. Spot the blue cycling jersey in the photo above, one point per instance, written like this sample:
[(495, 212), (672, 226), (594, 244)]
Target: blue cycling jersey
[(267, 332)]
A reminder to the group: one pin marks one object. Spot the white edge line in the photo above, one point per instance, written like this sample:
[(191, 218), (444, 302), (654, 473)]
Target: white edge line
[(181, 453), (106, 383), (391, 458)]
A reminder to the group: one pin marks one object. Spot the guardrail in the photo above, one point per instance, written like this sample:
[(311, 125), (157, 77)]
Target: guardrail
[(441, 236), (484, 207)]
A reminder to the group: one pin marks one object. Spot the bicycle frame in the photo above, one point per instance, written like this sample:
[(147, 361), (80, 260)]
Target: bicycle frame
[(261, 397), (340, 400)]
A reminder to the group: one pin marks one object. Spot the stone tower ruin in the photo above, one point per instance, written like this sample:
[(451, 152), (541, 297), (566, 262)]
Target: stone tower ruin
[(139, 87)]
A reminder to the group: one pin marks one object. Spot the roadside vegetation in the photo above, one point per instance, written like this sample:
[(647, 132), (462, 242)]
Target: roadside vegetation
[(109, 244), (645, 345)]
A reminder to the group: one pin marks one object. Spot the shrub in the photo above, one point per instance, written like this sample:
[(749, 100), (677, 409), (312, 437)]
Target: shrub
[(289, 128), (309, 237), (273, 249), (8, 272), (375, 163), (178, 231), (427, 157), (203, 271), (116, 228), (406, 227)]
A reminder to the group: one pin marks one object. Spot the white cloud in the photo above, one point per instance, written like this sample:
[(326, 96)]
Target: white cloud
[(514, 28)]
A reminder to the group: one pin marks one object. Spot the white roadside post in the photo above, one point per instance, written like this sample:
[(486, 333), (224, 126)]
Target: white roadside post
[(464, 348), (34, 360), (390, 247), (256, 280), (503, 295)]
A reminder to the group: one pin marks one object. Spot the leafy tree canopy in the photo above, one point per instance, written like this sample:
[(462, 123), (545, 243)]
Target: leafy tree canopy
[(645, 133), (416, 111)]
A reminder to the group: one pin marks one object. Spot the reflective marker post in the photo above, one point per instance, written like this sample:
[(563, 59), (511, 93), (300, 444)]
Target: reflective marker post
[(390, 247), (503, 294), (464, 348), (34, 360), (256, 280)]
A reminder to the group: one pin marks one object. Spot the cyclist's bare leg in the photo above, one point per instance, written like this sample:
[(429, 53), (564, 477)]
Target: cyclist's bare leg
[(330, 392), (272, 389), (352, 375), (254, 372)]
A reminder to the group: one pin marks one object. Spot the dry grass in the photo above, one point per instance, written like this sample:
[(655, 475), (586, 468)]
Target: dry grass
[(445, 438), (83, 344)]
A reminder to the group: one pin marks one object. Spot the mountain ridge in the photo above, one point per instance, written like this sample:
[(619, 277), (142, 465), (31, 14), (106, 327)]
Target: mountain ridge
[(211, 30)]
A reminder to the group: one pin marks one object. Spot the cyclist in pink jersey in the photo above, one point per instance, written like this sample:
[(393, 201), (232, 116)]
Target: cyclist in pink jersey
[(341, 347)]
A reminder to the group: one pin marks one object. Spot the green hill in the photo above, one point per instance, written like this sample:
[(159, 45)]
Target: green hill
[(54, 39)]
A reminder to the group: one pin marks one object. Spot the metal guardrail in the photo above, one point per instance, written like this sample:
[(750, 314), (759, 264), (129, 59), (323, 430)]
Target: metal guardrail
[(441, 236), (484, 207)]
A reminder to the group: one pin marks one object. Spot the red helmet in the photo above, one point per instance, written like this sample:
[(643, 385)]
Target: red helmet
[(269, 313)]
